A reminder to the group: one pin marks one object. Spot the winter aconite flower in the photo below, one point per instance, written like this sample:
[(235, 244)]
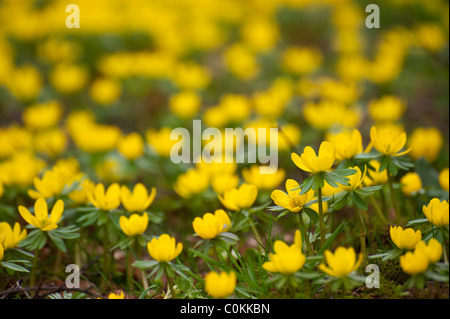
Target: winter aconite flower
[(444, 179), (341, 263), (286, 259), (388, 141), (355, 180), (433, 249), (292, 200), (105, 200), (405, 239), (253, 176), (119, 295), (139, 199), (10, 237), (375, 177), (347, 143), (425, 142), (131, 146), (239, 198), (41, 219), (220, 285), (414, 262), (310, 162), (411, 183), (164, 248), (437, 212), (134, 225), (212, 225)]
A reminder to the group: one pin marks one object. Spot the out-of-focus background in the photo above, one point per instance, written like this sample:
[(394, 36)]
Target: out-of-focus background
[(309, 67)]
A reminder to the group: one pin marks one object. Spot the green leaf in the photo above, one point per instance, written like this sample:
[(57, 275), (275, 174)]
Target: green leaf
[(59, 243), (417, 221), (312, 214), (340, 201), (145, 264), (13, 266), (358, 201)]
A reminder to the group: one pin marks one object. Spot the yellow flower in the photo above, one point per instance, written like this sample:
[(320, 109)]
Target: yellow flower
[(138, 200), (437, 212), (212, 225), (44, 115), (52, 183), (329, 114), (286, 259), (405, 239), (411, 183), (433, 250), (444, 179), (259, 34), (355, 179), (68, 78), (185, 104), (164, 248), (301, 60), (341, 263), (415, 262), (105, 200), (192, 182), (374, 177), (41, 219), (113, 295), (235, 107), (105, 137), (160, 142), (10, 237), (191, 76), (425, 142), (25, 82), (310, 162), (1, 189), (50, 142), (388, 141), (241, 62), (134, 225), (347, 144), (221, 183), (131, 146), (80, 195), (292, 200), (239, 198), (431, 36), (105, 91), (253, 176), (220, 285), (288, 135), (386, 109)]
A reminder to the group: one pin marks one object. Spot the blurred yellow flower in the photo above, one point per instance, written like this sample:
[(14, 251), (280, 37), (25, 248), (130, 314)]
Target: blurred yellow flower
[(25, 82), (106, 137), (105, 200), (301, 60), (138, 200), (164, 248), (221, 183), (411, 183), (134, 225), (68, 78), (374, 177), (220, 285), (433, 250), (425, 142), (388, 108), (431, 36), (341, 263), (239, 198), (51, 142), (41, 219), (286, 259), (212, 225), (329, 114), (253, 176), (20, 169), (388, 141), (159, 141), (292, 200), (310, 162), (185, 104), (444, 179), (415, 262), (2, 189), (10, 237), (259, 34), (40, 116), (131, 146), (241, 62), (105, 91), (437, 212), (191, 76), (119, 295), (405, 239), (79, 195), (289, 135), (51, 183), (347, 144), (192, 182)]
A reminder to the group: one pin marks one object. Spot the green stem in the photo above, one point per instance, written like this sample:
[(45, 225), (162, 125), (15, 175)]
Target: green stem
[(444, 248), (256, 233), (139, 257), (321, 218), (169, 284), (129, 269), (34, 269), (362, 230), (377, 209), (393, 199), (304, 234)]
